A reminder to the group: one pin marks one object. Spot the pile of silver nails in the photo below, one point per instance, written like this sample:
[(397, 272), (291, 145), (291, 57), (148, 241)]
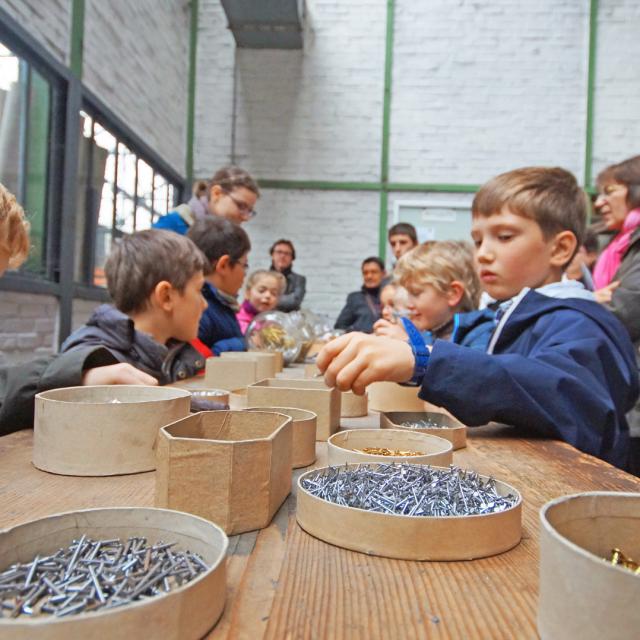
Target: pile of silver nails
[(410, 490), (95, 574), (428, 423)]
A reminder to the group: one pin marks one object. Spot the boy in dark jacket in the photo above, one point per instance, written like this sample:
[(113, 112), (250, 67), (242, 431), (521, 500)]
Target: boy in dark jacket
[(155, 279), (226, 247), (557, 363), (20, 383)]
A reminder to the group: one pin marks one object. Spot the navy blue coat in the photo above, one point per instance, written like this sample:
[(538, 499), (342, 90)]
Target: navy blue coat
[(219, 328), (562, 367)]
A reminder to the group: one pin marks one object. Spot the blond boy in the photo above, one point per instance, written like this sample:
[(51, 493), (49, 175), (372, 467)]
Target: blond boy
[(557, 363)]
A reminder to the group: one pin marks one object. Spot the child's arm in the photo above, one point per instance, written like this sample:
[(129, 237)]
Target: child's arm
[(355, 360), (19, 384)]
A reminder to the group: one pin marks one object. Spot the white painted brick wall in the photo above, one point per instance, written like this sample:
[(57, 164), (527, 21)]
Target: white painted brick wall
[(28, 326), (317, 113), (483, 87), (136, 61), (214, 90), (49, 21), (617, 90), (333, 231)]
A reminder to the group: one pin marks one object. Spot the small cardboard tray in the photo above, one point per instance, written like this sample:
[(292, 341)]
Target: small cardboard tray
[(581, 594), (353, 406), (238, 399), (389, 396), (451, 429), (303, 439), (266, 361), (187, 612), (230, 467), (312, 395), (340, 446), (103, 430), (200, 389), (410, 537)]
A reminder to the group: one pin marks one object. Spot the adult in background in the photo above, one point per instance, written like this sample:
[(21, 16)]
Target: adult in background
[(616, 274), (363, 307), (283, 254), (402, 238), (231, 193)]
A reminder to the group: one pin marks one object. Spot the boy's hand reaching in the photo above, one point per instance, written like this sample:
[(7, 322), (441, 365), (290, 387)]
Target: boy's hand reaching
[(355, 360), (383, 327), (121, 373)]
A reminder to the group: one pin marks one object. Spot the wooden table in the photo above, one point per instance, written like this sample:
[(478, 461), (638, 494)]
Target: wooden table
[(283, 583)]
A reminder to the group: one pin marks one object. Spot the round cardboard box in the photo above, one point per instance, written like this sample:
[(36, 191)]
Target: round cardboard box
[(186, 612), (581, 594), (436, 451), (304, 433), (411, 537), (451, 429), (353, 406), (103, 430)]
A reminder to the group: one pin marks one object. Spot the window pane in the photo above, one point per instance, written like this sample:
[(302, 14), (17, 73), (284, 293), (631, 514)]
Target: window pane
[(145, 191), (125, 200), (104, 237), (25, 112)]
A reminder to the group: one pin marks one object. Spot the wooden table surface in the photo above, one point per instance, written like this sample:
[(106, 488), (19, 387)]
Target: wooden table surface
[(283, 583)]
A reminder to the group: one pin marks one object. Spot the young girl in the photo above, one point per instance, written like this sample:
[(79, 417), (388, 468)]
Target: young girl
[(443, 286), (261, 294), (394, 302)]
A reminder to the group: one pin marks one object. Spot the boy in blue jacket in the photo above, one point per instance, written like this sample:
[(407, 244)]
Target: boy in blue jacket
[(226, 246), (557, 362)]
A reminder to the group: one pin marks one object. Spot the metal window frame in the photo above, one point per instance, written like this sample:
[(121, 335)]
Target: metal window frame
[(69, 97)]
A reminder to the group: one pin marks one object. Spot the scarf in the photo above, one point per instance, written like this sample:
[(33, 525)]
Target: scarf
[(611, 257), (227, 299), (248, 308)]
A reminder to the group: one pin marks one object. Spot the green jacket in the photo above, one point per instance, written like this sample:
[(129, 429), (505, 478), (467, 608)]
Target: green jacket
[(20, 383)]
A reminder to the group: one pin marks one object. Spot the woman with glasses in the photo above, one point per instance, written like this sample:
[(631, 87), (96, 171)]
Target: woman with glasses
[(283, 254), (231, 193), (616, 274)]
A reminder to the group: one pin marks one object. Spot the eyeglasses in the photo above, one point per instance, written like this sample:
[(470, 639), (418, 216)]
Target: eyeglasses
[(244, 265), (282, 253), (610, 189), (245, 210)]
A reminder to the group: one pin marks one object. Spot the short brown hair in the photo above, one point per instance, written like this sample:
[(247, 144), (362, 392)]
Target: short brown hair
[(217, 237), (627, 173), (403, 229), (230, 177), (438, 264), (139, 261), (14, 228), (283, 241), (550, 196)]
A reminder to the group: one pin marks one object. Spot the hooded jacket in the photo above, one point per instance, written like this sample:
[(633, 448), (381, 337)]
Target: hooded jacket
[(20, 383), (564, 368), (183, 216), (219, 328), (110, 328)]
